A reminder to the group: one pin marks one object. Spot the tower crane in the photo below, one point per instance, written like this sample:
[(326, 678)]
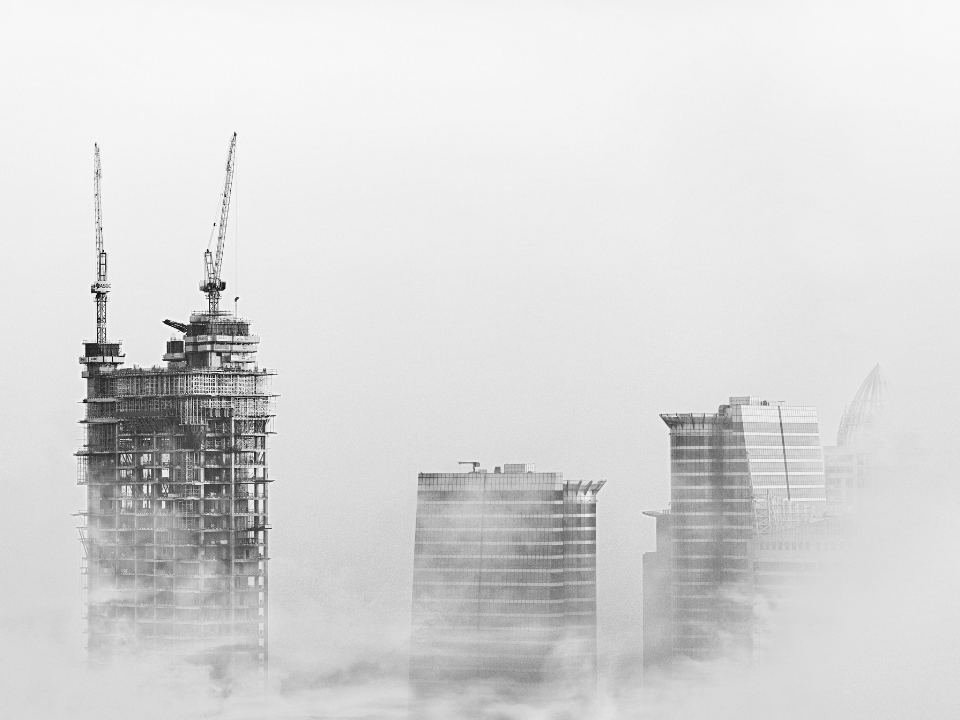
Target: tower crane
[(101, 287), (212, 284)]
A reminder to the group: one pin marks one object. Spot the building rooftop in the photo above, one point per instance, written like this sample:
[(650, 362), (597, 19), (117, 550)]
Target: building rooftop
[(753, 400)]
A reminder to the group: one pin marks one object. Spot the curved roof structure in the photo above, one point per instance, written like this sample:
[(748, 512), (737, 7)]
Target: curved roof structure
[(865, 409)]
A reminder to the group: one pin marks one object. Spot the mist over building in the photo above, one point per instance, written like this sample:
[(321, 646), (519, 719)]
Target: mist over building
[(793, 555), (504, 586), (175, 540), (757, 508)]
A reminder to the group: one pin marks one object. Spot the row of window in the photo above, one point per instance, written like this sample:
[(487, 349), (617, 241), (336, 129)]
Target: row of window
[(517, 563), (774, 426), (691, 562), (510, 608), (741, 451), (147, 629), (503, 537), (743, 494), (499, 575), (198, 459), (248, 598), (487, 496), (110, 611), (502, 593), (545, 522), (160, 582), (481, 507)]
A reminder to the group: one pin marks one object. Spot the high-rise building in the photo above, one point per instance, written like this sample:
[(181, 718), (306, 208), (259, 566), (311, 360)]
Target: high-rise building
[(175, 469), (752, 468), (504, 585)]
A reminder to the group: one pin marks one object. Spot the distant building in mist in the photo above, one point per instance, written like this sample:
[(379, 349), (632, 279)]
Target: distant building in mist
[(750, 469), (850, 465), (504, 585), (658, 595)]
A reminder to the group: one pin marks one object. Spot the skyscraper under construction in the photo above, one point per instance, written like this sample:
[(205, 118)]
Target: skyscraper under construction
[(175, 466)]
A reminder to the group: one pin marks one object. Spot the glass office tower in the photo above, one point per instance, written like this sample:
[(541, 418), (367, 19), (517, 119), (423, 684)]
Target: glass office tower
[(752, 468), (504, 588)]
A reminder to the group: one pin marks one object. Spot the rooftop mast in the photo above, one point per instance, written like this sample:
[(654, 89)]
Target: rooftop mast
[(101, 287), (212, 284)]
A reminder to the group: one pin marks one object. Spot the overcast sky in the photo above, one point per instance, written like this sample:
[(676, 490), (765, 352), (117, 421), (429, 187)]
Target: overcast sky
[(504, 232)]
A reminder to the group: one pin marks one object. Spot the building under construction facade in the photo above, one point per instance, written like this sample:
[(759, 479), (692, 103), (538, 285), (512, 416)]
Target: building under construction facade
[(175, 539)]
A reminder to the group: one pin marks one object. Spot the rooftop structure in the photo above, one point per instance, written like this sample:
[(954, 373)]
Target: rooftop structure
[(865, 409)]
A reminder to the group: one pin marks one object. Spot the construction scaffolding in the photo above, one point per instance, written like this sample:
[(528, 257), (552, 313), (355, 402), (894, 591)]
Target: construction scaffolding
[(176, 534)]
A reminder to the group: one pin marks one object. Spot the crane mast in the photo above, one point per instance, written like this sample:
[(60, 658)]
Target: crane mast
[(212, 284), (101, 287)]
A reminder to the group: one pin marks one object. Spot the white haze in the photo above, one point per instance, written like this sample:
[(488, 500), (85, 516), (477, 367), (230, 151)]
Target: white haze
[(506, 232)]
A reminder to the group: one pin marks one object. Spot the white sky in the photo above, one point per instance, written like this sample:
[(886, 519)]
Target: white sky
[(506, 232)]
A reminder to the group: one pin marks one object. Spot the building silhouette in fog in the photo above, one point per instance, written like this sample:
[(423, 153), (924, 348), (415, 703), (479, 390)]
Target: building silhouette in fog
[(752, 468), (850, 464), (504, 585), (658, 595)]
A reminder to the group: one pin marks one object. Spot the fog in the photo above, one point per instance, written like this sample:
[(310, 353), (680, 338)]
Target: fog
[(505, 232)]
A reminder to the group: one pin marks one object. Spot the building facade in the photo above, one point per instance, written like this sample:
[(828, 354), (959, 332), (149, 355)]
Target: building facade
[(752, 468), (175, 540), (504, 584)]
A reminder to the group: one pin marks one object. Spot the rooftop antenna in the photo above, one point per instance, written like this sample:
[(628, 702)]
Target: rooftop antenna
[(212, 284), (101, 287)]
